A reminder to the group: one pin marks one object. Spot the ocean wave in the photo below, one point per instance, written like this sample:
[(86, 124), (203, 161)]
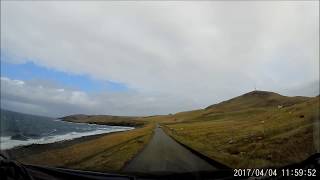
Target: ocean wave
[(7, 143)]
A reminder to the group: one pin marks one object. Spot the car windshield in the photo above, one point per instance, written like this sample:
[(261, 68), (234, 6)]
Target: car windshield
[(150, 87)]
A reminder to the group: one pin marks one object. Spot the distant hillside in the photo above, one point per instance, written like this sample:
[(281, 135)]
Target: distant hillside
[(255, 101), (258, 99), (105, 119)]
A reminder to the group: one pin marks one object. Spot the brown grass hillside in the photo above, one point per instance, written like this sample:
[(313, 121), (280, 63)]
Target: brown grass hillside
[(105, 120), (257, 129)]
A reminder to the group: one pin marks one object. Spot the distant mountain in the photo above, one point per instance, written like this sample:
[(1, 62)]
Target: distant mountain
[(258, 99), (252, 101), (75, 117), (104, 119)]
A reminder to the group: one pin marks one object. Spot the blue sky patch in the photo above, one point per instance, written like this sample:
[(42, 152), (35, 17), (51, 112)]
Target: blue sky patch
[(30, 71)]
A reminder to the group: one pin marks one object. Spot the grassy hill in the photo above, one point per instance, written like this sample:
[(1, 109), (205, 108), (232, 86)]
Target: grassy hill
[(252, 101), (256, 99), (257, 129), (105, 119)]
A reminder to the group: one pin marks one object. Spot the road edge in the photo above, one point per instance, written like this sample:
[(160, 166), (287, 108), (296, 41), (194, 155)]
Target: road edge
[(200, 155)]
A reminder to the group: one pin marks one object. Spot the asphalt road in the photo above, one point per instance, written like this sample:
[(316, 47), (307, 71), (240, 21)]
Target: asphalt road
[(163, 154)]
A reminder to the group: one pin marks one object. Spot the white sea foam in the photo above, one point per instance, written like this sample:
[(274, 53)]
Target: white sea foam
[(7, 143)]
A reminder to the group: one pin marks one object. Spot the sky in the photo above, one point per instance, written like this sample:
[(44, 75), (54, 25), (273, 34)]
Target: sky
[(146, 58)]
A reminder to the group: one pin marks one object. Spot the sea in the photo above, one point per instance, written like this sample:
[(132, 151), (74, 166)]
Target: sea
[(19, 129)]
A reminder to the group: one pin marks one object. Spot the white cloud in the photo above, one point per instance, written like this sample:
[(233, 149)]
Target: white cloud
[(47, 100), (201, 52)]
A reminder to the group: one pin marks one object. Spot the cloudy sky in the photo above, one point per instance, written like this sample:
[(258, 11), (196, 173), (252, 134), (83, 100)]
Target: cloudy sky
[(143, 58)]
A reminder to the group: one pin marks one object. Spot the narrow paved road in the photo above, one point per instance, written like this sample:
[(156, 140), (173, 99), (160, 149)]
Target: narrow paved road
[(163, 154)]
